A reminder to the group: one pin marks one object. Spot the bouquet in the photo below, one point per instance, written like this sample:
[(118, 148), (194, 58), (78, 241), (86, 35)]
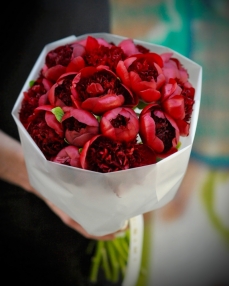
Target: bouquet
[(107, 125)]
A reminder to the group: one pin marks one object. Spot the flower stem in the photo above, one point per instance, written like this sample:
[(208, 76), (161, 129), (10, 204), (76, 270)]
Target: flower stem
[(96, 259), (113, 260), (111, 257), (106, 265), (120, 246)]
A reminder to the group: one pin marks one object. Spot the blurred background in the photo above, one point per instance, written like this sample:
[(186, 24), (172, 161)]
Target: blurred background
[(187, 241)]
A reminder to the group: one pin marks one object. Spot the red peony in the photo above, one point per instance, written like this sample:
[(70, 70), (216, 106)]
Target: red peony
[(69, 156), (102, 154), (99, 90), (143, 74), (35, 96), (79, 126), (178, 93), (120, 124), (60, 93), (173, 100), (46, 131), (172, 68), (158, 130), (63, 59)]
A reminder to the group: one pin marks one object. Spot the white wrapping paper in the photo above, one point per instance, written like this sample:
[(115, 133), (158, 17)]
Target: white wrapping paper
[(102, 203)]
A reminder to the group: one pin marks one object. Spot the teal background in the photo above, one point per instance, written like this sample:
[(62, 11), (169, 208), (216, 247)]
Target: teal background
[(198, 30)]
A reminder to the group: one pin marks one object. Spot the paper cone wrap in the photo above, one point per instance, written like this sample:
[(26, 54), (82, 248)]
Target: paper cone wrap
[(102, 202)]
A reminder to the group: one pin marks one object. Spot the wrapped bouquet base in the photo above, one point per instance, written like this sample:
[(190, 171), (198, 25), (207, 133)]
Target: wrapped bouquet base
[(102, 202)]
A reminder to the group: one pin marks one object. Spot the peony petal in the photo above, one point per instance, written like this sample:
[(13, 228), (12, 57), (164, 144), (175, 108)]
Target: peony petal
[(81, 115), (75, 65), (99, 105), (183, 127), (53, 123), (122, 72), (168, 89), (128, 47), (152, 58), (166, 56), (78, 50), (83, 153), (94, 89), (91, 44), (78, 139), (68, 156), (150, 95), (54, 73), (174, 106)]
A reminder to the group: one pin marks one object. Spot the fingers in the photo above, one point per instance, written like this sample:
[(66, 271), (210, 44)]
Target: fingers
[(76, 226)]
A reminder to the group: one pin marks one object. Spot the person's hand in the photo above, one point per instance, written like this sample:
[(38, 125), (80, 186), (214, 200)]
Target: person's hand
[(74, 225), (67, 220)]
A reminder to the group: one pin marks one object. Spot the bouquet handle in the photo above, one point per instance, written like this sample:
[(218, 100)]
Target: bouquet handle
[(135, 250)]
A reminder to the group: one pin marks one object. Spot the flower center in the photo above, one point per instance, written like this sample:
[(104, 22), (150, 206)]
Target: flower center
[(59, 56), (144, 69), (63, 91), (164, 131), (73, 124), (119, 121), (104, 56), (109, 84)]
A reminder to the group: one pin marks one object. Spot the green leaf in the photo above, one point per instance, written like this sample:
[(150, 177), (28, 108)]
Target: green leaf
[(58, 112), (98, 117), (141, 105), (178, 145), (31, 83)]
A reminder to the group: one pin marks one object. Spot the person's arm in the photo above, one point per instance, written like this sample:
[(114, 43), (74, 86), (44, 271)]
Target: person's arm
[(12, 167), (13, 170)]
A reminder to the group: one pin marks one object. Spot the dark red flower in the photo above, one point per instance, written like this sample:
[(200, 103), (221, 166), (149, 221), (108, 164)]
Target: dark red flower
[(100, 52), (99, 90), (177, 94), (75, 65), (67, 58), (101, 154), (60, 94), (188, 93), (91, 43), (69, 156), (120, 124), (172, 68), (33, 97), (50, 118), (158, 130), (46, 131), (59, 56), (79, 126), (173, 100), (142, 73), (142, 49)]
